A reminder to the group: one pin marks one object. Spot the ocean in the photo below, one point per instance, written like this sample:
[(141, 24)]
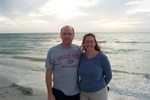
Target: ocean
[(22, 58)]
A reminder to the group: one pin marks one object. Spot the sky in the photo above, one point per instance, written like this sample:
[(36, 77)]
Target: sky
[(84, 15)]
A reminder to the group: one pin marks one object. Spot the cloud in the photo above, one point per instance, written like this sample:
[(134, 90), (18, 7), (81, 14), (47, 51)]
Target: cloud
[(139, 7), (84, 15), (19, 8)]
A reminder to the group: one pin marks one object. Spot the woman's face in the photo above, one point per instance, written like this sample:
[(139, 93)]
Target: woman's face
[(89, 43)]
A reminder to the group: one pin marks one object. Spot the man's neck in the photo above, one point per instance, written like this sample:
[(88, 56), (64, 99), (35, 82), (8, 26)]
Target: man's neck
[(66, 45)]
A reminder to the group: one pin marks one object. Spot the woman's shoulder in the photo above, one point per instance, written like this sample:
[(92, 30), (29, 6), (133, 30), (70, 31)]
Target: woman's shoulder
[(100, 54)]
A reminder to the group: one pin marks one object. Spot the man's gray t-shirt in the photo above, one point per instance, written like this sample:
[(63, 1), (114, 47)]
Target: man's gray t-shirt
[(64, 63)]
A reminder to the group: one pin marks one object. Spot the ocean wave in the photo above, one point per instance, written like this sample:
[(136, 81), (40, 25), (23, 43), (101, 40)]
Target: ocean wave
[(130, 92), (15, 65), (10, 52), (130, 42), (146, 75), (128, 50), (13, 51), (101, 41), (30, 58), (120, 51)]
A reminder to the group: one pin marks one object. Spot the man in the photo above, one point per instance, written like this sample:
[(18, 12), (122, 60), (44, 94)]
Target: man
[(61, 65)]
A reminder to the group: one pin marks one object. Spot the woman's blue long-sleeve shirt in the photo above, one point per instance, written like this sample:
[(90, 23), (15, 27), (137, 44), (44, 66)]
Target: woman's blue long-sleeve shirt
[(95, 73)]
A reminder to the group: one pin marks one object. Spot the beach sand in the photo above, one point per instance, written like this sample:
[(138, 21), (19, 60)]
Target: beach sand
[(8, 91), (11, 91)]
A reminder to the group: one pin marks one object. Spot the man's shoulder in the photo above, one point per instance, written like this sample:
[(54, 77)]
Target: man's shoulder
[(54, 47)]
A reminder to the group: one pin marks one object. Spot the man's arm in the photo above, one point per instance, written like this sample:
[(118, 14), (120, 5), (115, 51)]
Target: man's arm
[(48, 78)]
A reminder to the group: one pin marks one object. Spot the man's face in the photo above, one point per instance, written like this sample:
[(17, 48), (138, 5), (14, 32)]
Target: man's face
[(67, 36)]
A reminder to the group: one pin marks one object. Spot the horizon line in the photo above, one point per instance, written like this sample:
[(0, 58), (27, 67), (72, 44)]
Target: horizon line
[(75, 32)]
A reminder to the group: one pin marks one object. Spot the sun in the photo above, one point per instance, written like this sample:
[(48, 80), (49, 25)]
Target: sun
[(64, 9)]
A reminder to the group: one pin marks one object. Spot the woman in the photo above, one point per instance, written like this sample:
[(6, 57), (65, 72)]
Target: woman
[(94, 70)]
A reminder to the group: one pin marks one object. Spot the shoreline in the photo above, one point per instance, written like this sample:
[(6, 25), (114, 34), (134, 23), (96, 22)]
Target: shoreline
[(9, 90)]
